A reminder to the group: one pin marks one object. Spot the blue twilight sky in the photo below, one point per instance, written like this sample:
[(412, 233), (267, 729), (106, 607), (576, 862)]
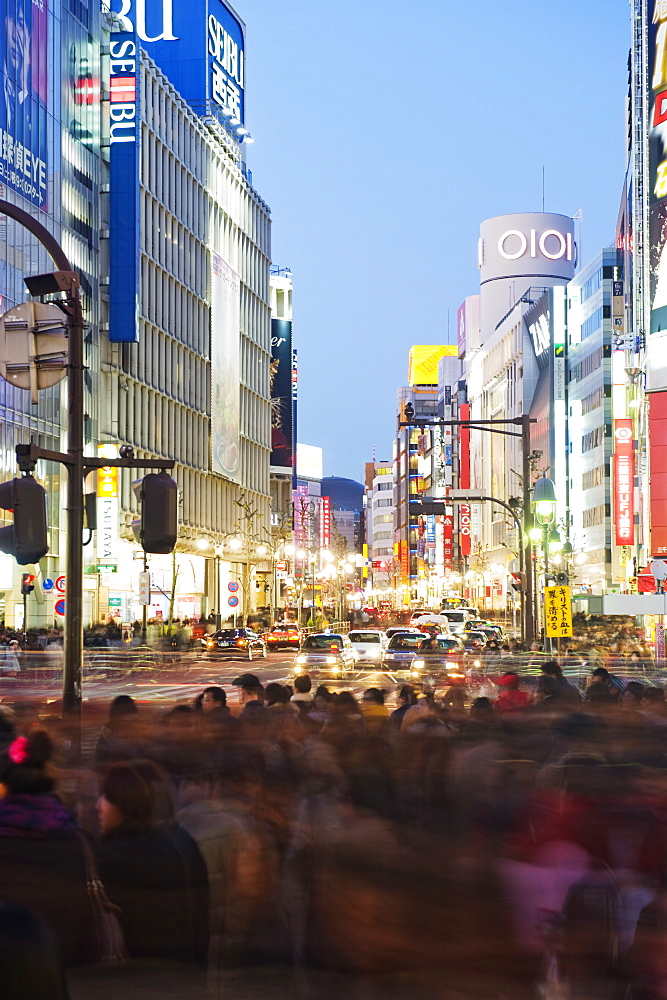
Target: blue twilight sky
[(385, 132)]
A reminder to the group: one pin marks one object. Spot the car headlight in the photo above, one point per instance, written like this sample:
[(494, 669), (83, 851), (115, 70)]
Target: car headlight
[(451, 665), (300, 659), (298, 670), (477, 663), (335, 670), (331, 659), (417, 664), (211, 645)]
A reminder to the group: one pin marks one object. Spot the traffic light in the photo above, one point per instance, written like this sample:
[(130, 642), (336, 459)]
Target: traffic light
[(27, 583), (156, 529), (27, 538)]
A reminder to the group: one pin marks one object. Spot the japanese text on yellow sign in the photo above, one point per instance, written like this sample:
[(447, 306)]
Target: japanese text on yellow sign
[(558, 612)]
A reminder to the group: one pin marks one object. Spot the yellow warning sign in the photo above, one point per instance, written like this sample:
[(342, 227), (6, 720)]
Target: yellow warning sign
[(558, 612)]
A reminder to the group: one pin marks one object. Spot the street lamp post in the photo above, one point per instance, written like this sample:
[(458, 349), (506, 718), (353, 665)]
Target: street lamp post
[(544, 509), (67, 280)]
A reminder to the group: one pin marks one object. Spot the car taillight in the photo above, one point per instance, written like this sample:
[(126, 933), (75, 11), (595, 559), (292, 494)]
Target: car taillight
[(240, 642)]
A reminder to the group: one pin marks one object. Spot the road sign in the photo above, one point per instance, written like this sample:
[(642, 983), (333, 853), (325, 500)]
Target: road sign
[(59, 606), (233, 602), (232, 588), (145, 588), (47, 584), (60, 583), (281, 566)]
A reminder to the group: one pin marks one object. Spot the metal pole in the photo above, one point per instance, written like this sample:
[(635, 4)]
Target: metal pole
[(73, 651), (527, 608), (144, 630)]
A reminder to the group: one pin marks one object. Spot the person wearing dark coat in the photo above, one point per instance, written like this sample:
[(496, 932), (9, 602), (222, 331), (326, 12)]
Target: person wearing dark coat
[(151, 868), (42, 864)]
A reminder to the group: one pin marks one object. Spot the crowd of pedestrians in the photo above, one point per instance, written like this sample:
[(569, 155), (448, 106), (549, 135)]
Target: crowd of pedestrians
[(307, 842)]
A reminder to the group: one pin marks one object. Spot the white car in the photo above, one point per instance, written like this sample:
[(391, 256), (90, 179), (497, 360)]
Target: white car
[(440, 620), (458, 620), (370, 644)]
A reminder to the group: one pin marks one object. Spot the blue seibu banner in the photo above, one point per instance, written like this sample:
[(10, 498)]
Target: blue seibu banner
[(125, 148), (198, 45)]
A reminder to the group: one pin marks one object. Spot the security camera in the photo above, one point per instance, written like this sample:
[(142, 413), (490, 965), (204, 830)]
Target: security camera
[(126, 451)]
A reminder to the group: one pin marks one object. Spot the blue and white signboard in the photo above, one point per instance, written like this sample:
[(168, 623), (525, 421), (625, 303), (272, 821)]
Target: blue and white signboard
[(124, 237), (198, 45)]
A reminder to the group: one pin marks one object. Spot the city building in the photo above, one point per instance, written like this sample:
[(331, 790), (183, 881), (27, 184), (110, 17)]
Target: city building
[(414, 541), (185, 364), (515, 367), (51, 165), (379, 528)]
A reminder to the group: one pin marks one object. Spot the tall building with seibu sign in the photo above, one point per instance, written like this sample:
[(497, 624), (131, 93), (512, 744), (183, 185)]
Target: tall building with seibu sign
[(185, 361)]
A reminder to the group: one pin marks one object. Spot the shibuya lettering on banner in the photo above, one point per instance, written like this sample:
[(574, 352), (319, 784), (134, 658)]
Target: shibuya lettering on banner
[(23, 103)]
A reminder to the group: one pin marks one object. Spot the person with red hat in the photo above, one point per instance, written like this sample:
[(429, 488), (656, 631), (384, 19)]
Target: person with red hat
[(511, 699)]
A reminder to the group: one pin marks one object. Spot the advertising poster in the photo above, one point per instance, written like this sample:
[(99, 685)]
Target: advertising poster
[(558, 612), (124, 154), (23, 103), (282, 455), (624, 482), (657, 179), (225, 368)]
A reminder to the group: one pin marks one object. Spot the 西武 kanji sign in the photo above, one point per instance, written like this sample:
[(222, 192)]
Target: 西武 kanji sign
[(558, 612)]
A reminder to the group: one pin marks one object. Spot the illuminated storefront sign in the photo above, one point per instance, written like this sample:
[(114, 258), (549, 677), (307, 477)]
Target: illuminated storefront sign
[(24, 77), (464, 480), (657, 180), (551, 244), (199, 45), (281, 389), (624, 476), (448, 539), (325, 522), (124, 172), (108, 535), (225, 369)]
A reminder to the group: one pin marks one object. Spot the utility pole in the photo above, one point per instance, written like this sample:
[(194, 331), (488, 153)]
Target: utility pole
[(66, 280)]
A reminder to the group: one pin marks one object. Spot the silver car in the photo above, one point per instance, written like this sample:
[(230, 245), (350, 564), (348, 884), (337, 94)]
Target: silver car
[(327, 653)]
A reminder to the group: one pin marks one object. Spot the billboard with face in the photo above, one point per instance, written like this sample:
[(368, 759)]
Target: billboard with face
[(23, 102)]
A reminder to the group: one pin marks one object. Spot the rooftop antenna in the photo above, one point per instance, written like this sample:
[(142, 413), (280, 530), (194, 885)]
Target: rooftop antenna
[(373, 454), (542, 187)]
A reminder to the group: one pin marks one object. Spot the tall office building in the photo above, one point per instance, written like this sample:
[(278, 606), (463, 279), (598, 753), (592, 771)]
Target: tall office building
[(51, 167), (186, 360)]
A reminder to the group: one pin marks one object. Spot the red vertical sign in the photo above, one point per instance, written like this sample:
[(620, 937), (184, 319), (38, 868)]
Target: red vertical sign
[(464, 479), (624, 482), (657, 431)]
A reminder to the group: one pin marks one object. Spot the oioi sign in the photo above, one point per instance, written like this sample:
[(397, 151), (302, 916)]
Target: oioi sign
[(551, 244)]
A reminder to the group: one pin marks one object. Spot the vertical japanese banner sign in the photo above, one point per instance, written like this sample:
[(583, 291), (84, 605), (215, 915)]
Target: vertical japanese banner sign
[(558, 612), (24, 71), (624, 482), (325, 522), (124, 157), (225, 368), (295, 394), (107, 508), (657, 402), (448, 538), (464, 479), (300, 502)]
